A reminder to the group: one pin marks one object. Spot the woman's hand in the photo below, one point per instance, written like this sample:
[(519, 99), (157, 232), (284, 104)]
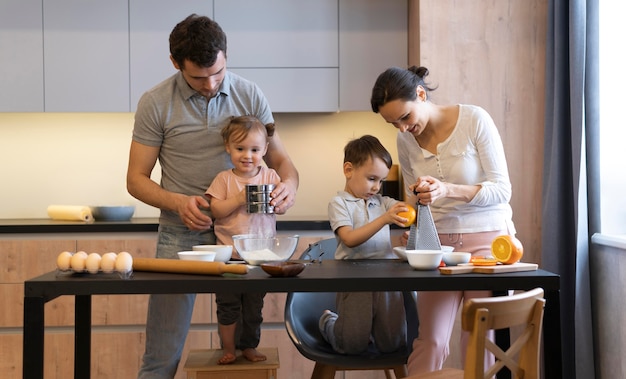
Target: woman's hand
[(428, 189), (404, 238)]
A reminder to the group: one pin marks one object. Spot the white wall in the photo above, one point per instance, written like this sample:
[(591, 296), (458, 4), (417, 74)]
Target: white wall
[(81, 159)]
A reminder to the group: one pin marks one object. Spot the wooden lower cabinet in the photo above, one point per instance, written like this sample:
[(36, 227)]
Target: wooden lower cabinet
[(118, 335)]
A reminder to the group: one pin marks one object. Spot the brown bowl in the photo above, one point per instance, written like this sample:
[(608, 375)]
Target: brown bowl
[(283, 268)]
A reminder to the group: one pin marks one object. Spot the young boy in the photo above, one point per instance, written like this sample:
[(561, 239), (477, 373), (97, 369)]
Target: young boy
[(360, 218), (239, 314)]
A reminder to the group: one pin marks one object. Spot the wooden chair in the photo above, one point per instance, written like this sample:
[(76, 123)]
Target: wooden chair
[(481, 315)]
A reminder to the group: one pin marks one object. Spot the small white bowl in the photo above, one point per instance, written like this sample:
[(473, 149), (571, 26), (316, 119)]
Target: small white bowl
[(455, 258), (223, 253), (207, 256), (400, 251), (424, 259)]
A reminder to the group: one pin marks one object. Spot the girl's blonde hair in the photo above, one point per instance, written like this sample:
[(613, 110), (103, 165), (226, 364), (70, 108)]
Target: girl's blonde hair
[(239, 127)]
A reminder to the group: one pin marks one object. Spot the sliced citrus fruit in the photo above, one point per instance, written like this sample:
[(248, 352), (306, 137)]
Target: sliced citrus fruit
[(507, 249), (409, 215), (483, 261)]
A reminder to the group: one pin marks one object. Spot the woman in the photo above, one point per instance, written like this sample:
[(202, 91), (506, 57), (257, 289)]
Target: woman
[(452, 159)]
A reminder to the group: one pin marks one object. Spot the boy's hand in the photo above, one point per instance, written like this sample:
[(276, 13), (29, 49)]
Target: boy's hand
[(394, 217)]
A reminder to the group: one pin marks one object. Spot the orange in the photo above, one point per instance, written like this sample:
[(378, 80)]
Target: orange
[(482, 261), (507, 249), (409, 215)]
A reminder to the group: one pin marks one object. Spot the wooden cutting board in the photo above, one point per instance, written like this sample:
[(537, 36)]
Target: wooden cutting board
[(496, 269)]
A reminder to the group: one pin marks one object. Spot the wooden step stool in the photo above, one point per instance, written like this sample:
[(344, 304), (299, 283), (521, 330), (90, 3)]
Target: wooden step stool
[(202, 364)]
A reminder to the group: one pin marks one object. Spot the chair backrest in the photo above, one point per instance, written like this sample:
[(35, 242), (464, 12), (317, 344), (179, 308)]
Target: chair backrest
[(482, 315), (320, 250), (302, 313)]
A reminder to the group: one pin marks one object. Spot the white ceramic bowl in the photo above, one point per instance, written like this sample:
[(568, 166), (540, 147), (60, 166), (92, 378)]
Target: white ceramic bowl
[(256, 250), (424, 259), (207, 256), (456, 257), (223, 253), (400, 251)]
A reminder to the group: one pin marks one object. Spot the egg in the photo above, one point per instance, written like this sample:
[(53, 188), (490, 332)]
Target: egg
[(124, 262), (77, 262), (92, 263), (63, 261), (107, 264)]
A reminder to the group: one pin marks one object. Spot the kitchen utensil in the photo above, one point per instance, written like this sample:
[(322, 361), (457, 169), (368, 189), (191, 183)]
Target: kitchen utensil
[(206, 256), (454, 258), (283, 269), (255, 249), (424, 259), (258, 197), (187, 267), (223, 253), (423, 234), (112, 213), (399, 251), (467, 268)]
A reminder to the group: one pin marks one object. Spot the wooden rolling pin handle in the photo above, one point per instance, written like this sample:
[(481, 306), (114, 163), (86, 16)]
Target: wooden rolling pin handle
[(240, 269), (186, 267)]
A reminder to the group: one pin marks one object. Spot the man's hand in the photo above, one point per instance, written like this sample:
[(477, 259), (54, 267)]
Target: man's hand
[(190, 214), (283, 197)]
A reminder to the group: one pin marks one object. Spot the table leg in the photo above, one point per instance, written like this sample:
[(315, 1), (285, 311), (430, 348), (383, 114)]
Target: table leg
[(552, 352), (82, 336), (33, 348)]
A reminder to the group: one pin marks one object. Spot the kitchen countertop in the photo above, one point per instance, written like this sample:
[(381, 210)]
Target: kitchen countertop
[(45, 225)]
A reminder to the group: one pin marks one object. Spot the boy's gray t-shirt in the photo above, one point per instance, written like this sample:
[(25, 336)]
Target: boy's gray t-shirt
[(186, 126), (347, 210)]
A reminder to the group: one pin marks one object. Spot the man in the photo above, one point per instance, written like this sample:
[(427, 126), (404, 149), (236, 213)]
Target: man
[(178, 122)]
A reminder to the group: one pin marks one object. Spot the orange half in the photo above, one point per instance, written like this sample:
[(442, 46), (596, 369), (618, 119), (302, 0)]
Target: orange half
[(483, 261), (507, 249)]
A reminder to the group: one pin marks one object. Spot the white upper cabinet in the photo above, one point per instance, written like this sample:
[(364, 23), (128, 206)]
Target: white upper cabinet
[(101, 56), (21, 56), (151, 22), (373, 36), (290, 48), (280, 33), (86, 55)]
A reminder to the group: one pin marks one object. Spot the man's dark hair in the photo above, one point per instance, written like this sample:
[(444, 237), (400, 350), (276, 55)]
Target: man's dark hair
[(198, 39)]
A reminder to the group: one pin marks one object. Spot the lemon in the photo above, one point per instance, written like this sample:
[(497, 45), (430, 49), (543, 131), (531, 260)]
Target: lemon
[(507, 249), (409, 215)]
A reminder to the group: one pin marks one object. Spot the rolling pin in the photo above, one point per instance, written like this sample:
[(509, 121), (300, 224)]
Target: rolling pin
[(187, 267)]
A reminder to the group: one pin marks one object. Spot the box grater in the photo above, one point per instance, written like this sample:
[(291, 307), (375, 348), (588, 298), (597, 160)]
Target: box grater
[(423, 233)]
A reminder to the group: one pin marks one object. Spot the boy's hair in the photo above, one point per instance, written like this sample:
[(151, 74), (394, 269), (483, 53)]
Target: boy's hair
[(239, 127), (360, 150)]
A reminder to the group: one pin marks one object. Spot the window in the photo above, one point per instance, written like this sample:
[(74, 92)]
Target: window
[(612, 117)]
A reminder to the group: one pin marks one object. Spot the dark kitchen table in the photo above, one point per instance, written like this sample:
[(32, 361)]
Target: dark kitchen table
[(327, 276)]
